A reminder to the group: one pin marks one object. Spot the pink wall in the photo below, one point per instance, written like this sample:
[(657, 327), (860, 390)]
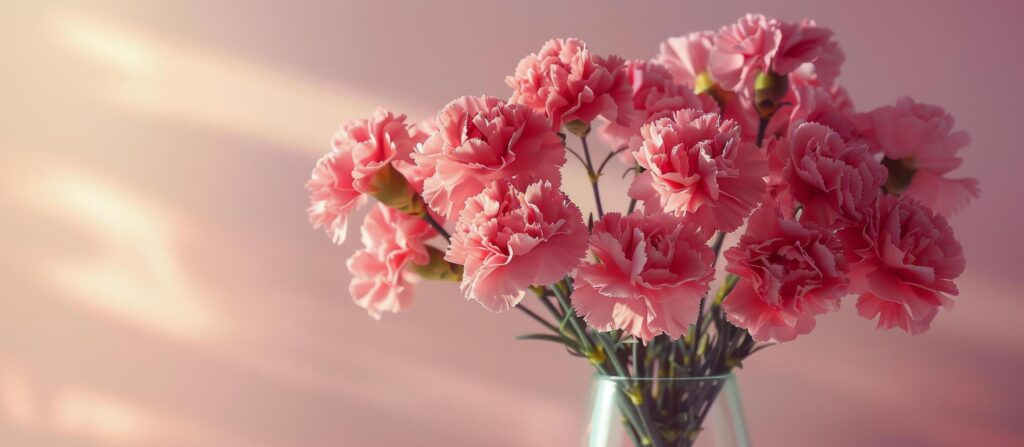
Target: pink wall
[(162, 288)]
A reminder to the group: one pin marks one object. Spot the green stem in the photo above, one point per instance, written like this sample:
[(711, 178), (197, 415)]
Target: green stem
[(699, 326), (437, 226), (570, 315), (762, 126), (637, 170), (600, 169), (522, 308), (645, 404), (637, 364), (593, 176)]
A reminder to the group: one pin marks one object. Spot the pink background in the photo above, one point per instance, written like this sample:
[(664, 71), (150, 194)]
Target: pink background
[(161, 287)]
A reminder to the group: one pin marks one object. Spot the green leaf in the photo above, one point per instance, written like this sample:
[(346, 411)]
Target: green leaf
[(727, 286), (547, 337), (565, 320)]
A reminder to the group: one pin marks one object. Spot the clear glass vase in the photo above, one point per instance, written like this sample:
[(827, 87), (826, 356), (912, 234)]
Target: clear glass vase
[(683, 412)]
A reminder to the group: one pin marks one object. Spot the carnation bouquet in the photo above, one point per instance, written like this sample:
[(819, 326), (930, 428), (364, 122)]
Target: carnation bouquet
[(743, 130)]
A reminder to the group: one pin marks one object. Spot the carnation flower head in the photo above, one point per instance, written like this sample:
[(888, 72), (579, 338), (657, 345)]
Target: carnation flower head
[(374, 143), (921, 148), (413, 173), (789, 272), (903, 260), (360, 149), (655, 94), (830, 106), (515, 234), (478, 140), (833, 181), (647, 277), (686, 57), (808, 101), (756, 44), (332, 196), (696, 165), (382, 272), (567, 83)]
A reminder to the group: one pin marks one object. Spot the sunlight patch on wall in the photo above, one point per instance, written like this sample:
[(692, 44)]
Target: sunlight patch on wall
[(91, 415), (133, 271), (17, 400), (194, 84)]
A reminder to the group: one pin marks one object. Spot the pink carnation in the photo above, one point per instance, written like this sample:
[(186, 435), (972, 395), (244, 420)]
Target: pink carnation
[(789, 272), (654, 94), (697, 166), (827, 105), (566, 82), (810, 102), (757, 43), (649, 273), (826, 67), (359, 149), (834, 182), (332, 195), (482, 139), (413, 173), (903, 260), (686, 57), (512, 236), (921, 139), (381, 279), (373, 143)]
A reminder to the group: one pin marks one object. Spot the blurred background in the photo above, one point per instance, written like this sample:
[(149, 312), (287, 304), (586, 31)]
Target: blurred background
[(160, 285)]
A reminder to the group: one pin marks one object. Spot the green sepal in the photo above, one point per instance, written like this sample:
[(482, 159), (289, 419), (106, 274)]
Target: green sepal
[(901, 172), (578, 128), (392, 189), (545, 337), (438, 268), (769, 90), (727, 286)]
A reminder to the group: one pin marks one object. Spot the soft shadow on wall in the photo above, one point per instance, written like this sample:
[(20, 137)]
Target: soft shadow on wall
[(162, 287)]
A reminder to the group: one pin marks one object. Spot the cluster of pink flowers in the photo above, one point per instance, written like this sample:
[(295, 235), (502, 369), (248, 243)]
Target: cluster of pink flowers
[(744, 129)]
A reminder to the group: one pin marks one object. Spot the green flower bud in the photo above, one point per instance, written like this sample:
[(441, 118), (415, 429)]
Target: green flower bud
[(578, 128), (769, 90), (703, 83), (901, 172), (438, 268), (597, 356), (392, 189)]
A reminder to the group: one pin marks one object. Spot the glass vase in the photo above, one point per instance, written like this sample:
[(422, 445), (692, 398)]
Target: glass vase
[(683, 412)]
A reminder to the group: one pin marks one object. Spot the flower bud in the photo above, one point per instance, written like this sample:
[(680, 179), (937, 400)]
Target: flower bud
[(392, 189), (901, 172), (703, 83), (578, 128), (636, 395), (597, 356), (769, 90), (437, 268)]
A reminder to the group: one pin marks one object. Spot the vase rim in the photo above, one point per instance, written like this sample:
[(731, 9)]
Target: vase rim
[(717, 377)]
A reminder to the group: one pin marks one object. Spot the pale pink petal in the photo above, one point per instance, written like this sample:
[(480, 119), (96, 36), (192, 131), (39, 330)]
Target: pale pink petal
[(565, 82), (945, 196), (756, 43), (904, 260), (789, 272), (513, 235), (478, 140), (698, 167), (392, 242), (648, 276), (920, 137)]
